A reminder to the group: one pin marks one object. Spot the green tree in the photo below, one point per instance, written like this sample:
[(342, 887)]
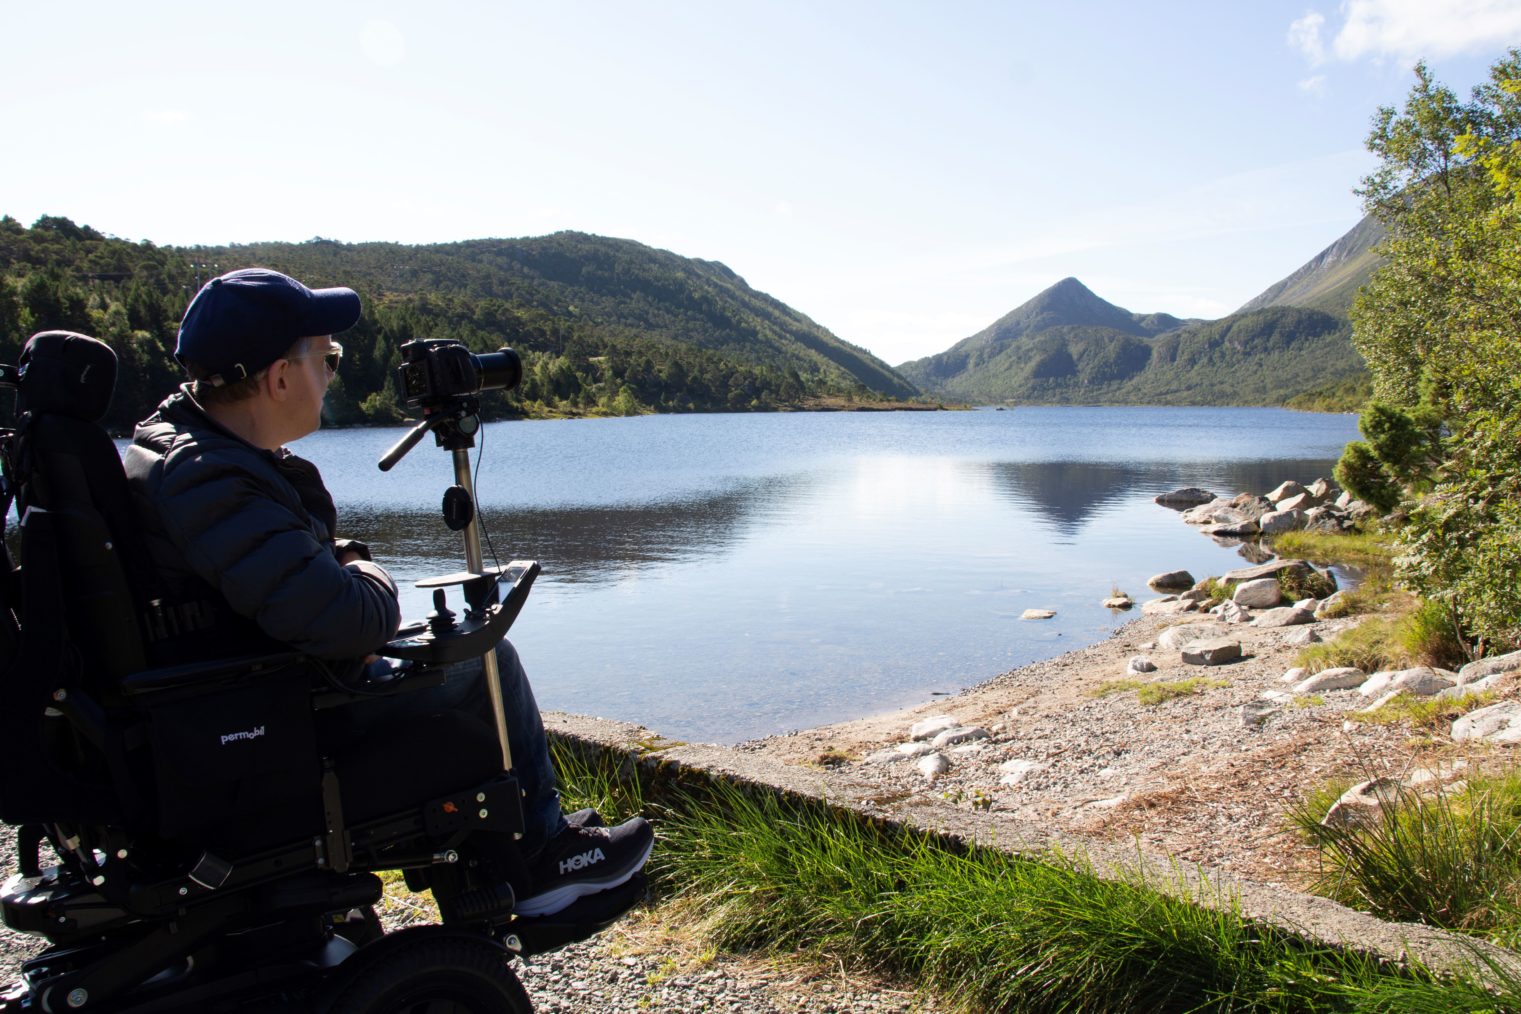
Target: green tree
[(1440, 327)]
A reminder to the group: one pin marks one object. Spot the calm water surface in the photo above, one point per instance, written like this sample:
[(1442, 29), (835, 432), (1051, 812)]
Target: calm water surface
[(720, 577)]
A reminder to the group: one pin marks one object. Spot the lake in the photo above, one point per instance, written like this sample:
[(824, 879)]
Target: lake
[(722, 577)]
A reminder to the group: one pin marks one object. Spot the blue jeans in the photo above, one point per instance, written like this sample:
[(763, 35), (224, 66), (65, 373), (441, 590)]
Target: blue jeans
[(464, 689)]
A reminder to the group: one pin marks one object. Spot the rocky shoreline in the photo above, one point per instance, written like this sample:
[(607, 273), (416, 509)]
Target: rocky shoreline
[(1192, 730)]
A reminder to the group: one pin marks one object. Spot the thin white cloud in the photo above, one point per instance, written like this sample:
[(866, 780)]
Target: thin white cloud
[(1406, 30), (1315, 86), (1304, 35), (383, 44)]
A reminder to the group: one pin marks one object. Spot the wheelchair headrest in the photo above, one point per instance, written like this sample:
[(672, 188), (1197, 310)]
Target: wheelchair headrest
[(63, 373)]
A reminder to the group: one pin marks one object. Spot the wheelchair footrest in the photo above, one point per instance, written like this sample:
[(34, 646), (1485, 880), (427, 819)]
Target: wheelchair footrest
[(585, 917)]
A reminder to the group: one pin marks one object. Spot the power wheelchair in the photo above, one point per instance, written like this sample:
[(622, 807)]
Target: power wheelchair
[(189, 836)]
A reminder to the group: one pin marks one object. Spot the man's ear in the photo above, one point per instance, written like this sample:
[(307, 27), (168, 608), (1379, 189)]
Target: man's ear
[(277, 380)]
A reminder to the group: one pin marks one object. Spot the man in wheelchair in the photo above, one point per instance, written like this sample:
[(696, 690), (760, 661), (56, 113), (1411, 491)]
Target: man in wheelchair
[(214, 744)]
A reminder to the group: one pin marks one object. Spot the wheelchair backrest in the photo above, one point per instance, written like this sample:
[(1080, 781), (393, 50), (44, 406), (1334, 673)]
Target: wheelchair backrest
[(73, 607)]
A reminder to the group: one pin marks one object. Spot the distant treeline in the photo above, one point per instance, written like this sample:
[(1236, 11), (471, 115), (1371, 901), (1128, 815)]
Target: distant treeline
[(603, 326)]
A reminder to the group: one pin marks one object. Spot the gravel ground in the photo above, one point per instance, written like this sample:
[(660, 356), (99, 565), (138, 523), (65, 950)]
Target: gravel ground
[(1186, 777), (641, 964)]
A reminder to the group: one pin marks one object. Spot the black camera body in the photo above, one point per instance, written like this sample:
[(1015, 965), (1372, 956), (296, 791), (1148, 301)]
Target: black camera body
[(435, 371)]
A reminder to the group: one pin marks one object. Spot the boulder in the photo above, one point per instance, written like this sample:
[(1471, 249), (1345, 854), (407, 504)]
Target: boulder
[(1345, 500), (1498, 723), (1422, 680), (1194, 594), (961, 734), (1172, 580), (1263, 593), (1016, 771), (1377, 684), (1302, 502), (1285, 490), (1343, 678), (1270, 569), (1212, 512), (884, 756), (1213, 652), (932, 766), (1362, 803), (1332, 605), (1140, 664), (1303, 637), (1234, 529), (1188, 496), (931, 727), (1168, 605), (1254, 713), (1359, 510), (1294, 675), (1320, 489), (1280, 521), (1494, 681), (1037, 614), (918, 748), (1480, 668), (1252, 506), (1284, 616), (1232, 612), (1118, 602), (1184, 634)]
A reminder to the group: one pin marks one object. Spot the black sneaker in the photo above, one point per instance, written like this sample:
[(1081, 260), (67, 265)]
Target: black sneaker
[(585, 818), (586, 860)]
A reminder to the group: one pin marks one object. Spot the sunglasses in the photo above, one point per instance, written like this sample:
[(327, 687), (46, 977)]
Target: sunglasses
[(331, 356)]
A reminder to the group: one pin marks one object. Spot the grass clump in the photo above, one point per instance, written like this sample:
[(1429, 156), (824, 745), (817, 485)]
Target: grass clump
[(1430, 636), (1108, 687), (981, 929), (1423, 712), (1300, 584), (1368, 550), (1159, 691), (1218, 591), (1164, 690), (1448, 859), (1371, 646)]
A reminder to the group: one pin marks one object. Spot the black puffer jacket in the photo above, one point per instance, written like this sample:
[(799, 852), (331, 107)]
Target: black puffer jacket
[(253, 527)]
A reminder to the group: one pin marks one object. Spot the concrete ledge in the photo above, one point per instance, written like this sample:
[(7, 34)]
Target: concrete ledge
[(1318, 920)]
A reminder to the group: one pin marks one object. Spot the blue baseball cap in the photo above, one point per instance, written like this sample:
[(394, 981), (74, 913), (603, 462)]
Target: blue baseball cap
[(244, 320)]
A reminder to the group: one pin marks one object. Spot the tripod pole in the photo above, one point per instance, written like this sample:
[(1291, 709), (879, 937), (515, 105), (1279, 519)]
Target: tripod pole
[(476, 565)]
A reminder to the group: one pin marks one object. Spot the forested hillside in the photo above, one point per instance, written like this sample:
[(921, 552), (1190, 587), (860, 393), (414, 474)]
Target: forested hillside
[(603, 325)]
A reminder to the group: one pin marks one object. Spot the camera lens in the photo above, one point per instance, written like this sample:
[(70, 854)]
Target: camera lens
[(499, 371)]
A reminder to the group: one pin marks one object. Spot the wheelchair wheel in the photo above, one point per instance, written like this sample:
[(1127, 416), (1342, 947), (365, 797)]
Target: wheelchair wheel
[(429, 970)]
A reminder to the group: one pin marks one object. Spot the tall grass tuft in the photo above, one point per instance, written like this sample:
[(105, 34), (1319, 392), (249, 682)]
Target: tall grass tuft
[(1372, 645), (1448, 859)]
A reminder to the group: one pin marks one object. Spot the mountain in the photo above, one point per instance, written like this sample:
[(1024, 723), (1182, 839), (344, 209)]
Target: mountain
[(1332, 277), (614, 287), (604, 326), (1292, 343), (1001, 349), (1068, 346)]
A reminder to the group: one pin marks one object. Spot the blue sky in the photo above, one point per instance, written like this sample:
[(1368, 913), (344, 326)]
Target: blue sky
[(904, 173)]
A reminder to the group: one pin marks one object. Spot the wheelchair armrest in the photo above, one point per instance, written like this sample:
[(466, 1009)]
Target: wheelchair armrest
[(226, 670)]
